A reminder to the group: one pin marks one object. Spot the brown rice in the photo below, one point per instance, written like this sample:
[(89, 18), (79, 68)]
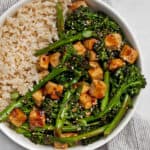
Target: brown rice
[(33, 27)]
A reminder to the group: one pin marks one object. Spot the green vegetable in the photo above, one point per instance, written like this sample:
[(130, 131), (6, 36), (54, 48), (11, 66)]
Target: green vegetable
[(86, 19), (42, 137), (4, 114), (77, 138), (46, 128), (60, 19), (78, 75), (62, 42), (69, 51), (104, 54), (44, 134), (24, 129), (14, 96), (130, 78), (24, 132), (106, 98), (63, 108), (119, 116)]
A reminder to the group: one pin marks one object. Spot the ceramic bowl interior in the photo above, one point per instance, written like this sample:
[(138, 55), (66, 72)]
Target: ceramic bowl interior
[(97, 5)]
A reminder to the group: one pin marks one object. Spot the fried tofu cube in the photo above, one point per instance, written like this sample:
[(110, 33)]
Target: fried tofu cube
[(86, 100), (85, 87), (113, 41), (115, 64), (88, 105), (44, 62), (54, 90), (37, 118), (129, 54), (75, 5), (98, 89), (38, 97), (60, 146), (17, 117), (93, 56), (95, 71), (54, 59), (89, 43), (79, 47), (94, 64)]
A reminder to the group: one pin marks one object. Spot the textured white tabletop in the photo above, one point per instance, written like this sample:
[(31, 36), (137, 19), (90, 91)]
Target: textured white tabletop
[(136, 12)]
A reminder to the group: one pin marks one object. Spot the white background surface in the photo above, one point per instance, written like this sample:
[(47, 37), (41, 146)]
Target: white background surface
[(137, 14)]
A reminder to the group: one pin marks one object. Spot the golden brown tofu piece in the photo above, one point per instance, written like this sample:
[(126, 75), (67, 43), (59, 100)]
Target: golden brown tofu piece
[(79, 47), (75, 5), (115, 64), (95, 71), (98, 89), (54, 59), (85, 87), (37, 118), (54, 90), (93, 56), (60, 146), (89, 43), (43, 74), (94, 64), (129, 54), (86, 100), (44, 62), (38, 97), (17, 117), (113, 41)]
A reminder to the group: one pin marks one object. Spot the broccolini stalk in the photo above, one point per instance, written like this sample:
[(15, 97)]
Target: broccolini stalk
[(68, 128), (79, 137), (4, 114), (74, 80), (62, 42), (69, 52), (41, 136), (119, 116), (106, 98), (26, 131), (14, 95), (23, 131), (63, 109), (60, 19)]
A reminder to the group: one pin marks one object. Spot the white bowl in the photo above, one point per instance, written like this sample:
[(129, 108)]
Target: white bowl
[(97, 5)]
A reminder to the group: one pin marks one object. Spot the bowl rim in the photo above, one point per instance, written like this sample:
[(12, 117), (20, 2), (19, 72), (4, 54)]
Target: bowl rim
[(28, 145)]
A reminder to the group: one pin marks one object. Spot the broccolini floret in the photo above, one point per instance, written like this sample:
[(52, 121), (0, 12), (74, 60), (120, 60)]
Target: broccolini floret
[(85, 19)]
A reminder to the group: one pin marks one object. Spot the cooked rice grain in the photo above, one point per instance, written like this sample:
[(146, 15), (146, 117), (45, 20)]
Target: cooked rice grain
[(33, 27)]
